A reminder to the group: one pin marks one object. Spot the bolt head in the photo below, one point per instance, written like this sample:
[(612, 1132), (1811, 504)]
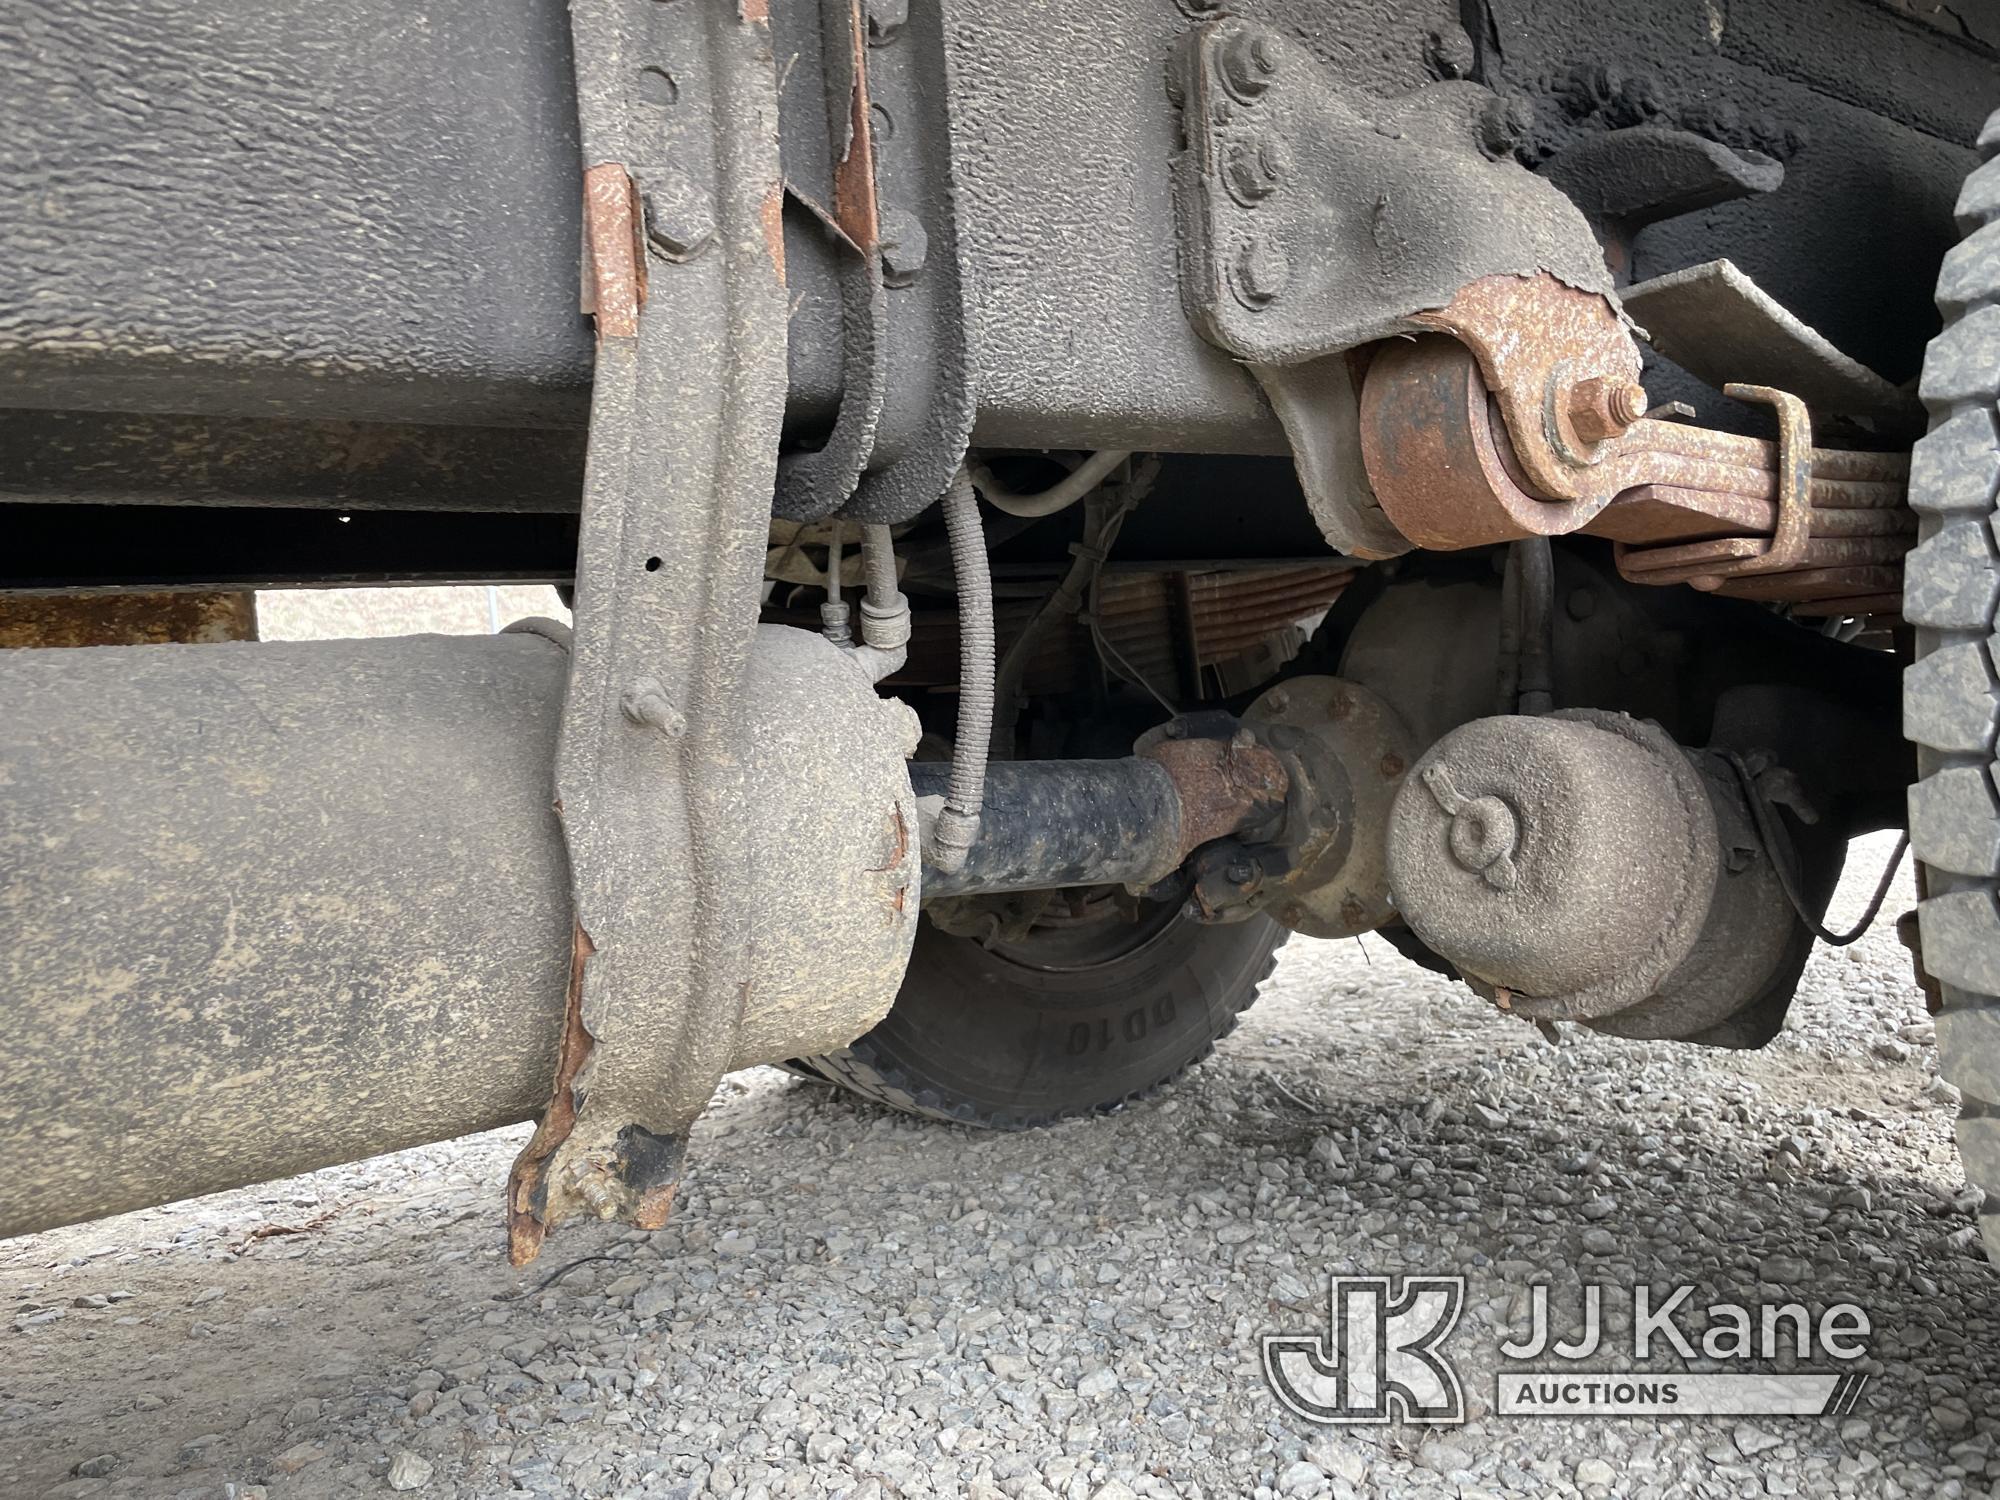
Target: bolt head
[(679, 225), (1249, 62), (1449, 53), (885, 19), (1503, 124), (834, 621), (645, 703), (1252, 169), (1263, 271), (904, 246)]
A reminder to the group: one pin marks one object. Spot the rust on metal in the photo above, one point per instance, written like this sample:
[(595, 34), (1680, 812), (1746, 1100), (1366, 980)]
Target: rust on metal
[(854, 202), (1717, 510), (1436, 454), (1850, 549), (1708, 565), (173, 618), (1347, 761), (899, 897), (1821, 586), (1223, 785), (614, 283), (771, 216), (771, 211), (655, 1204), (1666, 513), (527, 1181), (1793, 473), (1541, 344), (1601, 407), (902, 843), (1662, 513)]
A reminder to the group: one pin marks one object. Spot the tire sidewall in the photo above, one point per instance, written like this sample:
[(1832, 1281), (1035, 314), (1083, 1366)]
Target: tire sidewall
[(978, 1035)]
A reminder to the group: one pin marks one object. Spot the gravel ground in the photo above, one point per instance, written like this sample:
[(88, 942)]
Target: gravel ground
[(852, 1303)]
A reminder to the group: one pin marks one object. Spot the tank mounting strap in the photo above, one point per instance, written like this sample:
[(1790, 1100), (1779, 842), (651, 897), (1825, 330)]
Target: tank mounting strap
[(689, 290)]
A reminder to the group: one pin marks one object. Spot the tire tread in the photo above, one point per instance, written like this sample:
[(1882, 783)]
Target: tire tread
[(1949, 705), (864, 1069)]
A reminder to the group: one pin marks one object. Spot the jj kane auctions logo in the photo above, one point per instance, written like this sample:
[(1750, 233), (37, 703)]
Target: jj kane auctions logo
[(1381, 1357)]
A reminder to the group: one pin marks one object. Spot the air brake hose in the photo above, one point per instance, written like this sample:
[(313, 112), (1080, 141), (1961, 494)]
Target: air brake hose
[(885, 613), (878, 566), (958, 824)]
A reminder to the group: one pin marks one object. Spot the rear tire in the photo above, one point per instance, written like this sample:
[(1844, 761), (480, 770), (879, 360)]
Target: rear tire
[(1074, 1019), (1949, 708)]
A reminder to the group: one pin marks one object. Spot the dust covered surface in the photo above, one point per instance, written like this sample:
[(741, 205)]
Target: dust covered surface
[(849, 1302)]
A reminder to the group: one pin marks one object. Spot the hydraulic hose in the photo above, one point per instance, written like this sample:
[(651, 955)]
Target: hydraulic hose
[(957, 826), (885, 613), (833, 613), (878, 566)]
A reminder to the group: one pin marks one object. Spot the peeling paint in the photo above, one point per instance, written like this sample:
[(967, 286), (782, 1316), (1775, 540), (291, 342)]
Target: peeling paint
[(526, 1183), (772, 216), (614, 278)]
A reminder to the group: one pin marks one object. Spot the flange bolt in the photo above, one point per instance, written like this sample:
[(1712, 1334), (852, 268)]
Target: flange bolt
[(1249, 62), (1263, 271)]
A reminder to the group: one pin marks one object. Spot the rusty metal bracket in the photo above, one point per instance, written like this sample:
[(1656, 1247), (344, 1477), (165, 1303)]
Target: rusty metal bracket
[(1706, 564), (1737, 515), (1564, 370), (1315, 219), (685, 412)]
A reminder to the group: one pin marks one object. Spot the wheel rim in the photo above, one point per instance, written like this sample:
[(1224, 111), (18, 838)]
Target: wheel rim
[(1065, 942)]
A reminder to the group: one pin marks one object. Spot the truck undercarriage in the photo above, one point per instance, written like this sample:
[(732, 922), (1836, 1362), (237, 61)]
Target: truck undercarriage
[(1055, 500)]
